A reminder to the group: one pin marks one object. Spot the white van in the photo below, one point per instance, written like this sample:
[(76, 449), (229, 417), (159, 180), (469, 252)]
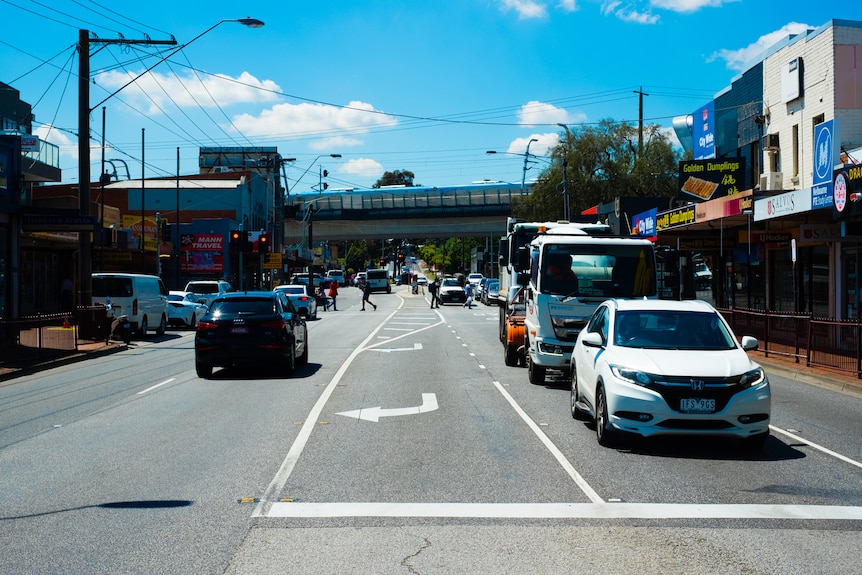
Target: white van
[(143, 298), (378, 280)]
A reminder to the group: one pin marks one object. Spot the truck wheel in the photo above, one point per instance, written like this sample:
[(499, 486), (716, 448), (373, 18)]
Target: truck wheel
[(511, 355)]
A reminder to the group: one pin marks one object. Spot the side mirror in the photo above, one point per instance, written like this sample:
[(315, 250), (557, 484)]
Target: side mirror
[(749, 343), (522, 279), (592, 339)]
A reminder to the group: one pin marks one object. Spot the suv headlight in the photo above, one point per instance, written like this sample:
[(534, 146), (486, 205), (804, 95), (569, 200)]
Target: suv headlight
[(752, 378), (634, 376)]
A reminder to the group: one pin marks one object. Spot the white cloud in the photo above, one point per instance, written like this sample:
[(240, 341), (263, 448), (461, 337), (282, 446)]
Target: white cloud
[(688, 6), (68, 147), (534, 112), (740, 59), (627, 13), (569, 5), (156, 90), (335, 126), (543, 143), (526, 9), (364, 167)]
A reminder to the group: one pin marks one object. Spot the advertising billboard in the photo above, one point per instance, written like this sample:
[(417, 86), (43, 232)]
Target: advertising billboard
[(702, 180)]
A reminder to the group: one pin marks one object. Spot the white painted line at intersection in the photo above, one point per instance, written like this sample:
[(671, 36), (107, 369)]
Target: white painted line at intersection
[(565, 511)]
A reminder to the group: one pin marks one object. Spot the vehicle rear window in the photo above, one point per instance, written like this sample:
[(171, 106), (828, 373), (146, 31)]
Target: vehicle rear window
[(377, 275), (112, 287), (203, 288), (243, 306), (293, 290)]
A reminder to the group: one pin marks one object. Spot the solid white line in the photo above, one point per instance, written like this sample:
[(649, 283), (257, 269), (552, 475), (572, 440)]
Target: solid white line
[(816, 446), (155, 386), (565, 511), (558, 455)]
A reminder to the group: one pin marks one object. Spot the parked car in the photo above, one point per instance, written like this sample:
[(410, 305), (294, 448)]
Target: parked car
[(451, 291), (298, 294), (659, 367), (491, 291), (702, 276), (142, 298), (250, 329), (359, 279), (208, 289), (302, 278), (185, 308)]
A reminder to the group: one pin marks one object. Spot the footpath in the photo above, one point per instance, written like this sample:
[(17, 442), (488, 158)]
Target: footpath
[(27, 363)]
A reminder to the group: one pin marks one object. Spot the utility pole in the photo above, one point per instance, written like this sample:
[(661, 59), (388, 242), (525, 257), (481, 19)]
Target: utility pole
[(85, 256), (641, 95)]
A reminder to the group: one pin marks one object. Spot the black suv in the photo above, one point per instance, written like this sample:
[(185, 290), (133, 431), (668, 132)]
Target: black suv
[(250, 328)]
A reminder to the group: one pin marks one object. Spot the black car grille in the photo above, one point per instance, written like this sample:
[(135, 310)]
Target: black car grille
[(675, 388)]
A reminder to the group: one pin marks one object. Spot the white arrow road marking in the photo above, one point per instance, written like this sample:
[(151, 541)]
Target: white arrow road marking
[(429, 403), (415, 347)]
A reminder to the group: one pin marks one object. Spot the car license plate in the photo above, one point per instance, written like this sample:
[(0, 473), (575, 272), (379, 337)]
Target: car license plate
[(239, 330), (698, 405)]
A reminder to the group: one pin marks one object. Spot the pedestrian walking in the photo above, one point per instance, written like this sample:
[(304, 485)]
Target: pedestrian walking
[(333, 293), (468, 290), (366, 291), (433, 289)]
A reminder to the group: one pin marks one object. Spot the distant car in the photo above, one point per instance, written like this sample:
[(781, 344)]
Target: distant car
[(451, 291), (250, 329), (359, 279), (302, 278), (491, 292), (298, 294), (208, 289), (702, 276), (378, 280), (185, 308), (337, 275), (475, 278), (660, 367), (422, 280)]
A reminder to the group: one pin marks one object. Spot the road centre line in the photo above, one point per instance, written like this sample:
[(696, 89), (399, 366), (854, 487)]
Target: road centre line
[(142, 392), (558, 455), (816, 446), (599, 510)]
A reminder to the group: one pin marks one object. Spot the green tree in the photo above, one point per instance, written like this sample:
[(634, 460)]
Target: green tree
[(396, 178), (602, 164)]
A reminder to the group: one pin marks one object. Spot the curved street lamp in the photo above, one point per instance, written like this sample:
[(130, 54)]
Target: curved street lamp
[(85, 261)]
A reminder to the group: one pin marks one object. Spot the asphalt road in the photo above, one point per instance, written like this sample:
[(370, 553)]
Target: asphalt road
[(405, 446)]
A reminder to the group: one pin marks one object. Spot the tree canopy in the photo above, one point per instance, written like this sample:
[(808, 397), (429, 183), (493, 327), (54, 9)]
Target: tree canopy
[(602, 163), (396, 178)]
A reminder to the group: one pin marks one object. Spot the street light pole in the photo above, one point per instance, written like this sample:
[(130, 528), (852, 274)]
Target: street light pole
[(566, 209), (85, 263), (526, 158)]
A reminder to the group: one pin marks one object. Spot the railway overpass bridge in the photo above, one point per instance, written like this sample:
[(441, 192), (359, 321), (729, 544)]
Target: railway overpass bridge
[(477, 210)]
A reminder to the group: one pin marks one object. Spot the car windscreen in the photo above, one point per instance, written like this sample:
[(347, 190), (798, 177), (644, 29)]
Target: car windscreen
[(112, 287), (243, 306), (666, 329)]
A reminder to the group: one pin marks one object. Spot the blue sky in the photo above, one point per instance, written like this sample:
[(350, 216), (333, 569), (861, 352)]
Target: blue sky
[(424, 86)]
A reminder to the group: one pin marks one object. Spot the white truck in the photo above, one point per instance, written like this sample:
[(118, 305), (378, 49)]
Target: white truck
[(512, 251), (572, 270)]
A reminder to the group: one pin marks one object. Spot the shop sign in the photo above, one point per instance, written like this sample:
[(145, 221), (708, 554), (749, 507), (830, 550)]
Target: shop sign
[(793, 202), (771, 239), (703, 180), (703, 132), (202, 243), (825, 157), (644, 224), (817, 233), (675, 218)]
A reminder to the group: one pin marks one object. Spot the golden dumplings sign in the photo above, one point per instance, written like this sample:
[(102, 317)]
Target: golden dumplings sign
[(702, 180)]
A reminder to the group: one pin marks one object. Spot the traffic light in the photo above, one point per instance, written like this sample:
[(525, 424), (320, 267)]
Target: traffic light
[(235, 241), (263, 243), (382, 261)]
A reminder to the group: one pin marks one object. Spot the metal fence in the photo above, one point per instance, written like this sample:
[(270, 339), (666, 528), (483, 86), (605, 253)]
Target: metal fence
[(815, 341), (43, 336)]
